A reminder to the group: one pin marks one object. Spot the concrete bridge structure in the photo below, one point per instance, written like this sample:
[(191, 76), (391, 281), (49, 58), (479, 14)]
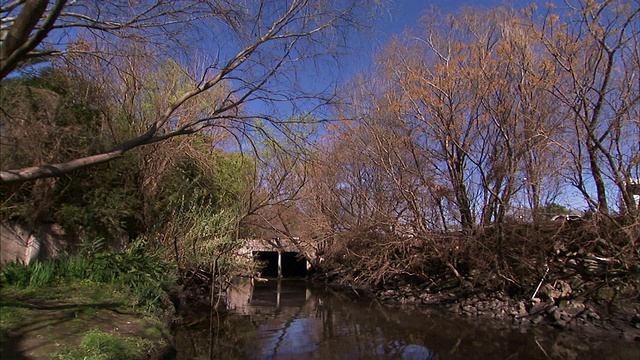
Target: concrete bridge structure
[(282, 257)]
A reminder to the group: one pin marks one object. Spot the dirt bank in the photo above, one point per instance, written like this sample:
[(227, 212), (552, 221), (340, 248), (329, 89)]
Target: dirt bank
[(39, 324)]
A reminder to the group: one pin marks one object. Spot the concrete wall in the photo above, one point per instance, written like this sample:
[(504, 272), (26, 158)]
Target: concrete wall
[(282, 244), (45, 241)]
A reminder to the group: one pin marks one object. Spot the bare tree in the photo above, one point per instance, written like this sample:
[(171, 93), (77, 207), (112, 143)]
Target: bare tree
[(443, 106), (596, 59), (258, 49)]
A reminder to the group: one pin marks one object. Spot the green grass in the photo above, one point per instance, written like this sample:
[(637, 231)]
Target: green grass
[(92, 306), (99, 345), (12, 316), (80, 320)]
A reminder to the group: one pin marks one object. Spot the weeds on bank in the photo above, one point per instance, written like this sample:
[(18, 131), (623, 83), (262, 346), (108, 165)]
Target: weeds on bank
[(76, 291), (65, 313), (134, 270)]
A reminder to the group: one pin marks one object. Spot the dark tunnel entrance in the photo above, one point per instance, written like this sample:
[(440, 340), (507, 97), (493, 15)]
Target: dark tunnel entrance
[(292, 264)]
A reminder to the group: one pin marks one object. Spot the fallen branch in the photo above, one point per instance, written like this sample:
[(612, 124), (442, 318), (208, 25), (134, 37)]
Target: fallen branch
[(546, 271)]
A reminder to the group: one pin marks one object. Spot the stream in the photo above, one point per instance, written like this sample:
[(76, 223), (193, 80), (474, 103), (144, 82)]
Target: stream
[(289, 319)]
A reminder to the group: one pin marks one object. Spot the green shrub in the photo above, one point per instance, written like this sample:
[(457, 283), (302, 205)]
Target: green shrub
[(73, 268), (45, 272), (133, 268), (35, 274)]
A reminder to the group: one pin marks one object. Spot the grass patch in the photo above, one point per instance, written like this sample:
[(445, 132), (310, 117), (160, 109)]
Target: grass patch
[(12, 316), (143, 275), (91, 306), (57, 320), (99, 345)]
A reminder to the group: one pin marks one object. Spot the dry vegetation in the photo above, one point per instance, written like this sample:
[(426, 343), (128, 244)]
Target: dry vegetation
[(599, 253)]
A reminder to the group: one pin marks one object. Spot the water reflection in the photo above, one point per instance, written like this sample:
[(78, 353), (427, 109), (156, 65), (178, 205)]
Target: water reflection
[(288, 320), (294, 321)]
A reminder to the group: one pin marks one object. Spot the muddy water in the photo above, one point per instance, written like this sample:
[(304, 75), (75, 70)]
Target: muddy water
[(289, 320)]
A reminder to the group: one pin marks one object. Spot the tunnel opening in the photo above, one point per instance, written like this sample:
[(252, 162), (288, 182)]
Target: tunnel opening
[(292, 264)]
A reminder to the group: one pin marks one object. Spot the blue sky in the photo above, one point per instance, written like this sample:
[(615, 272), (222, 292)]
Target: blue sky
[(396, 17), (403, 14), (400, 15)]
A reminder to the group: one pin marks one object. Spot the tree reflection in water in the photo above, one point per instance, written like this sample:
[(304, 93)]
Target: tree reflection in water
[(288, 320)]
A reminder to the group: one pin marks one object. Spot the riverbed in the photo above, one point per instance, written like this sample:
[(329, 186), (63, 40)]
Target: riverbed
[(291, 319)]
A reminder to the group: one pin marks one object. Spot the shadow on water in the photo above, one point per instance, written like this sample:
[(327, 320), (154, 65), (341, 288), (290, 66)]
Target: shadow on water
[(288, 320)]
